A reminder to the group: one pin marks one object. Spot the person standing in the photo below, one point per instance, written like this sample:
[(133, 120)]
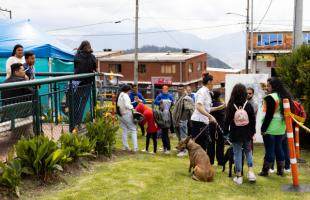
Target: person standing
[(126, 118), (216, 147), (201, 117), (151, 126), (190, 92), (136, 97), (84, 62), (16, 57), (183, 110), (273, 125), (167, 99), (240, 126), (30, 59), (250, 94)]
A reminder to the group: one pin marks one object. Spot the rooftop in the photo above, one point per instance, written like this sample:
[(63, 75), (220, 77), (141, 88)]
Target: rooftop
[(100, 54), (280, 30), (151, 57)]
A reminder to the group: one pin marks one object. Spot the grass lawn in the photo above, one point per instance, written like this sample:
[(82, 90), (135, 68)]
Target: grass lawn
[(145, 176)]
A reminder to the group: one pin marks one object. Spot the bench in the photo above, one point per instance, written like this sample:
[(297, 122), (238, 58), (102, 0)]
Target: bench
[(16, 115)]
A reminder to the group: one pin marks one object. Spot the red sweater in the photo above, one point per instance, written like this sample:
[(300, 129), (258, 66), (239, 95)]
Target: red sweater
[(148, 118)]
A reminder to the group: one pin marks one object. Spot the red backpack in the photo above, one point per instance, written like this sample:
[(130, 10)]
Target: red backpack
[(299, 110)]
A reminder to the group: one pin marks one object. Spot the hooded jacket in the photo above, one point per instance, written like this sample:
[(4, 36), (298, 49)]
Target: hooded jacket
[(148, 118), (183, 109)]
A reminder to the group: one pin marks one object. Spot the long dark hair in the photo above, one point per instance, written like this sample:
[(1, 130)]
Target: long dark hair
[(282, 91), (206, 77), (15, 48), (238, 96), (85, 47)]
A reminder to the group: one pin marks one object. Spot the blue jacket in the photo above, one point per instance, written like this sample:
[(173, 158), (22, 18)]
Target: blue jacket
[(193, 97), (162, 96), (132, 98)]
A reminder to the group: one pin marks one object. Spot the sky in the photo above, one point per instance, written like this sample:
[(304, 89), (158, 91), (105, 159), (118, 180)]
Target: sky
[(204, 18)]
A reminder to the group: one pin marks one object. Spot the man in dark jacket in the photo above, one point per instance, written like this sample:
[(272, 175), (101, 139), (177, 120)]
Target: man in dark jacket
[(17, 75)]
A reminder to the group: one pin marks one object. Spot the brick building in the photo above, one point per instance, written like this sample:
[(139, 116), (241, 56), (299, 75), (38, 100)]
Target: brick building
[(184, 68), (219, 75), (268, 45)]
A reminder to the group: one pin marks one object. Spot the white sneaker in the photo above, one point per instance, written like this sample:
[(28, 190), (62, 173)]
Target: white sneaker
[(271, 171), (238, 180), (251, 177), (181, 154), (144, 150), (126, 149), (288, 171), (167, 152)]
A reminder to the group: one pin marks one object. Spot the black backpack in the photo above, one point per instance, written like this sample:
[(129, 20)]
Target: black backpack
[(159, 119)]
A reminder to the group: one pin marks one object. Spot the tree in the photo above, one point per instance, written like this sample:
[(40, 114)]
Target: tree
[(294, 70)]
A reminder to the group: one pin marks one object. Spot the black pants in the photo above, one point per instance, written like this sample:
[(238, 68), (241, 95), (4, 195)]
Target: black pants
[(142, 129), (81, 97), (165, 139), (202, 140), (216, 145), (154, 138)]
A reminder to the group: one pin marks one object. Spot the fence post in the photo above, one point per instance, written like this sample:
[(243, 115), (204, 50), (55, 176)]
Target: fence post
[(290, 137), (71, 107), (56, 103), (36, 112), (94, 96), (113, 107)]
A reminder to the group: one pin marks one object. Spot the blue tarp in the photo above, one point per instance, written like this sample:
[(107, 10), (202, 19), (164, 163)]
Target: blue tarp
[(14, 32)]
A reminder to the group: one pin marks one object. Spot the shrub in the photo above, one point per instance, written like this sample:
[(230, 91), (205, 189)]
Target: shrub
[(11, 173), (103, 134), (40, 156), (76, 145)]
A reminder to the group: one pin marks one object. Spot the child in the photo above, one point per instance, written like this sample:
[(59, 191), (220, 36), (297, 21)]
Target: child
[(240, 124), (151, 126)]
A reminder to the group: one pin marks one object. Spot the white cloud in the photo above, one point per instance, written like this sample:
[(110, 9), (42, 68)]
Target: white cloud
[(172, 14)]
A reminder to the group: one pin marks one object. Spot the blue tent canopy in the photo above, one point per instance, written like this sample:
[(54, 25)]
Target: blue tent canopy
[(23, 32)]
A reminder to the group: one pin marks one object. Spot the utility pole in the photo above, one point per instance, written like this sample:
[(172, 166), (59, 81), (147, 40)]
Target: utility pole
[(136, 45), (246, 40), (6, 10), (298, 37), (252, 37)]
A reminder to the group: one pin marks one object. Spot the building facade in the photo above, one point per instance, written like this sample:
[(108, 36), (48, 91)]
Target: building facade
[(173, 69), (269, 45)]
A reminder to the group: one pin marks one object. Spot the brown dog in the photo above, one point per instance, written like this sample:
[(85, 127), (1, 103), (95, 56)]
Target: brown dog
[(199, 160)]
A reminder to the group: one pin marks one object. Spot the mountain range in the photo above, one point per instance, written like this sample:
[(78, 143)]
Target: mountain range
[(228, 48)]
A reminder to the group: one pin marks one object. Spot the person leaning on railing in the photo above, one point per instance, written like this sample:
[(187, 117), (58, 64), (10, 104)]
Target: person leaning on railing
[(84, 62), (17, 75)]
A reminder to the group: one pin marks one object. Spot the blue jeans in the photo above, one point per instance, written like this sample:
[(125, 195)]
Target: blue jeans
[(237, 148), (181, 130), (274, 147)]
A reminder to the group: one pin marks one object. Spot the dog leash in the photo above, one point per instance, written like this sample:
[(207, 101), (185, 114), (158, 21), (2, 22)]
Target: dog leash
[(200, 132)]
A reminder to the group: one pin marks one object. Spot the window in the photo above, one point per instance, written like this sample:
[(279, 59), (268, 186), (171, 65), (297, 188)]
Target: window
[(168, 69), (272, 39), (259, 39), (307, 38), (190, 68), (142, 68), (115, 68), (199, 67), (265, 40)]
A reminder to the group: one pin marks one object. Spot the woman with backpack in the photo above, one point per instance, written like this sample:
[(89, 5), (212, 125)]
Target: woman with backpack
[(124, 109), (274, 127), (240, 125)]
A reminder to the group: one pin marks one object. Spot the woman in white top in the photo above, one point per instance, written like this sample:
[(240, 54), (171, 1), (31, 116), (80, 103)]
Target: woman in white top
[(17, 57), (201, 117), (126, 117)]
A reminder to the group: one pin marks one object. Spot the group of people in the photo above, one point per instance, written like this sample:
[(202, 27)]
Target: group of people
[(206, 118), (21, 67)]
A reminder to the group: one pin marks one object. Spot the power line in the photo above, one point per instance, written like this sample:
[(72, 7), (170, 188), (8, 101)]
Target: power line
[(262, 19), (87, 25), (150, 32), (169, 35)]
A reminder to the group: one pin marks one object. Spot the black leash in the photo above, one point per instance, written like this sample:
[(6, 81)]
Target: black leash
[(201, 132)]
